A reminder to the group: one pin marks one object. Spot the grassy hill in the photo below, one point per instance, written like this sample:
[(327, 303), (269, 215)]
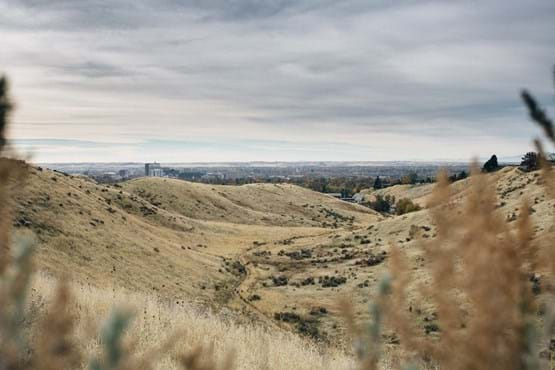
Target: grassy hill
[(300, 276), (167, 236), (279, 254), (253, 204)]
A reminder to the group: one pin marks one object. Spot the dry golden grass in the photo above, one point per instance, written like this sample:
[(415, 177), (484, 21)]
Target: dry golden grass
[(174, 255), (485, 276), (155, 320), (480, 275), (252, 204)]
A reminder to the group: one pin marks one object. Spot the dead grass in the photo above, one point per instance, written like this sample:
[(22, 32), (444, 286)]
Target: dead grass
[(483, 277), (489, 286), (252, 204), (154, 320)]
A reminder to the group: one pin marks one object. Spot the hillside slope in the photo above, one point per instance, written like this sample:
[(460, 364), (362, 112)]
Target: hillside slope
[(512, 186), (277, 253), (308, 274), (178, 246), (261, 204)]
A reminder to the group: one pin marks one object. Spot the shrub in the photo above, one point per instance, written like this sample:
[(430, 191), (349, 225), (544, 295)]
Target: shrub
[(382, 203), (405, 205), (411, 178)]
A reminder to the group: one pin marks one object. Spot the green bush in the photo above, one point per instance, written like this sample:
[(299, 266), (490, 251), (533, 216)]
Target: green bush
[(406, 205), (382, 203)]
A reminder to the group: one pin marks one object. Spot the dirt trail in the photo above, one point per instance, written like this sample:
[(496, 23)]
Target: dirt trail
[(244, 289)]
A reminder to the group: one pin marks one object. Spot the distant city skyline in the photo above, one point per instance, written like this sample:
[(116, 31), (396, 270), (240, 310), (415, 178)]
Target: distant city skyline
[(280, 80)]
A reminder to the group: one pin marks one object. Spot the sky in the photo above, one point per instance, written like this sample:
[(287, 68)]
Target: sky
[(275, 80)]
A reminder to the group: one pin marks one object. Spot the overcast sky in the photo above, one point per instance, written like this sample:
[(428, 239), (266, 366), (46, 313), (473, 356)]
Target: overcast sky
[(240, 80)]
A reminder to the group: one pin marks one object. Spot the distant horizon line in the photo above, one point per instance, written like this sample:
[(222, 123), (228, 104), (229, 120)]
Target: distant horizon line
[(507, 160)]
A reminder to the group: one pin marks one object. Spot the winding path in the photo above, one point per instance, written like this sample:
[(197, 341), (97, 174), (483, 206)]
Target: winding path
[(246, 285)]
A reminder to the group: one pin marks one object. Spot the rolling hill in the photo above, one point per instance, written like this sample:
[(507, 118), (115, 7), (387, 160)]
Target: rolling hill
[(278, 254), (167, 236), (253, 204)]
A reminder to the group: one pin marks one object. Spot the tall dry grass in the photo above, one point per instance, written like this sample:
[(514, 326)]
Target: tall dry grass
[(250, 346), (485, 277)]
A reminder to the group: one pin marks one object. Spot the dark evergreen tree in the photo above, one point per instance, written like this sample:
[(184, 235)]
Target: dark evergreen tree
[(378, 183), (530, 162), (491, 164), (458, 176)]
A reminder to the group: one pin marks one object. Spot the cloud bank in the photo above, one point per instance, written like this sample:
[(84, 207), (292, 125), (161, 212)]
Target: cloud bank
[(219, 80)]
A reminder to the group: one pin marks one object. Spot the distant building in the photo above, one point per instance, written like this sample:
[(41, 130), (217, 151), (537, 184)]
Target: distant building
[(110, 174), (124, 174), (106, 177), (191, 175), (157, 172), (213, 176), (153, 170)]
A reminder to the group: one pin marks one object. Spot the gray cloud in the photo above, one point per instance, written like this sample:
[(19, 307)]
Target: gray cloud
[(94, 70), (434, 70)]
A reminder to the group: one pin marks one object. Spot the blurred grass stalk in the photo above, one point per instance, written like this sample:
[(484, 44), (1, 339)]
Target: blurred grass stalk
[(481, 284)]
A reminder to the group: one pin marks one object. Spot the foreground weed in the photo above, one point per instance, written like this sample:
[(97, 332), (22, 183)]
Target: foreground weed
[(483, 287)]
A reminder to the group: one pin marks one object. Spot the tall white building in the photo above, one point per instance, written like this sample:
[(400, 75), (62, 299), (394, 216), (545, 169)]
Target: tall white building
[(153, 170)]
